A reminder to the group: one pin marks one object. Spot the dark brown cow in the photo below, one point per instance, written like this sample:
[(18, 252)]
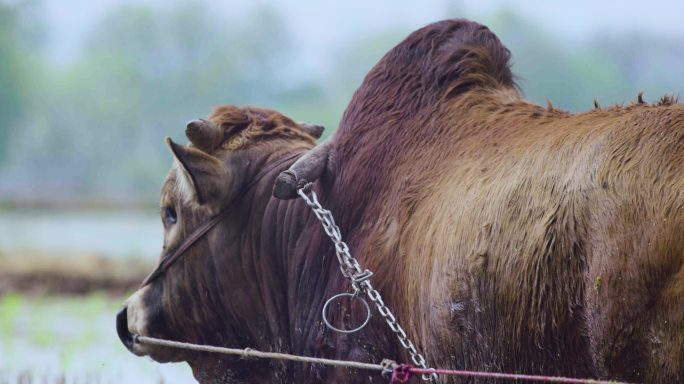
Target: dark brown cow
[(505, 236)]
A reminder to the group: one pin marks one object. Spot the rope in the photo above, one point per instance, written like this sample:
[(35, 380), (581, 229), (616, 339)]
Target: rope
[(510, 376), (401, 373), (248, 352)]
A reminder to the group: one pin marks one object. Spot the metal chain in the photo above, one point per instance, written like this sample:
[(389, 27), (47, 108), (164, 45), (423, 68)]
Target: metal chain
[(360, 278)]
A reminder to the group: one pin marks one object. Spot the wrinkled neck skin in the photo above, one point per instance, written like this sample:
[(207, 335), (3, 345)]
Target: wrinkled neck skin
[(272, 268)]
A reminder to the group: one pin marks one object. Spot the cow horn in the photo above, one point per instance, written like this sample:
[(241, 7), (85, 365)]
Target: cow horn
[(307, 169), (203, 134), (314, 130)]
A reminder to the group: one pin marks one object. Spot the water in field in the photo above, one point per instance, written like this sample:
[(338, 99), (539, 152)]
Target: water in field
[(72, 340), (50, 338), (124, 234)]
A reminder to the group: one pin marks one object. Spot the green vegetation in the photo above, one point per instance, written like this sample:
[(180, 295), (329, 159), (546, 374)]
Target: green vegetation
[(47, 337), (9, 308), (93, 127)]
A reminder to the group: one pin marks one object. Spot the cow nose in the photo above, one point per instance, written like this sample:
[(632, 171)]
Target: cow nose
[(122, 328)]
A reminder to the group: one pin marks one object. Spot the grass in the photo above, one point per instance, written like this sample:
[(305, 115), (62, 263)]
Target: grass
[(27, 377)]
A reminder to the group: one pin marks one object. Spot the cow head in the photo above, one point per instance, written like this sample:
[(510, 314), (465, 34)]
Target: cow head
[(213, 294)]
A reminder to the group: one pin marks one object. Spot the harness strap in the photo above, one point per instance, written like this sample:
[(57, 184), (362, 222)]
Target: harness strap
[(169, 259)]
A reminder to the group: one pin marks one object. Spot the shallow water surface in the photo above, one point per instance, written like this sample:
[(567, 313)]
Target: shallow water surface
[(72, 340), (111, 234)]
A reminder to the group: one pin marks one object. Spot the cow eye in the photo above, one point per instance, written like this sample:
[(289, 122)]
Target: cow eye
[(169, 215)]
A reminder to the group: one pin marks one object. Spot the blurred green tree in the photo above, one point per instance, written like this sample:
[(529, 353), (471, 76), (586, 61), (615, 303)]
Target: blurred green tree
[(14, 71), (142, 73), (96, 124)]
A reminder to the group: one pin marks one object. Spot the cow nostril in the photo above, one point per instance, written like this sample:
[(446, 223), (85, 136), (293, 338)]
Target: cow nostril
[(122, 328)]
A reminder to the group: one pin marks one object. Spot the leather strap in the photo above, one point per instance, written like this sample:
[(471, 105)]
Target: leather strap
[(202, 230)]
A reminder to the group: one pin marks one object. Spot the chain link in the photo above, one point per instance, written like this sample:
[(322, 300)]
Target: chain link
[(360, 278)]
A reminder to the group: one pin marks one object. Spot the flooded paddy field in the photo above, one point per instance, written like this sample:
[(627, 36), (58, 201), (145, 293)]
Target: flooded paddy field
[(72, 340), (63, 277)]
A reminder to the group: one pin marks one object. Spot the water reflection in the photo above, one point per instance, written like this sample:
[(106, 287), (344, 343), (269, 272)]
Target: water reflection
[(51, 338), (72, 339), (115, 234)]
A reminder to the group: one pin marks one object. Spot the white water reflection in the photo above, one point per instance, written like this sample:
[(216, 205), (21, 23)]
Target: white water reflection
[(57, 339), (45, 339), (115, 234)]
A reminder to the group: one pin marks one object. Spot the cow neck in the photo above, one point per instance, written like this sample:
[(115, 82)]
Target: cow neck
[(202, 230)]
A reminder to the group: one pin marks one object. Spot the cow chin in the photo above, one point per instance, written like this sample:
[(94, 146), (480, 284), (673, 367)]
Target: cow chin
[(134, 319)]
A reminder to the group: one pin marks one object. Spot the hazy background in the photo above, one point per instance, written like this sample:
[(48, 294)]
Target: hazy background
[(89, 89)]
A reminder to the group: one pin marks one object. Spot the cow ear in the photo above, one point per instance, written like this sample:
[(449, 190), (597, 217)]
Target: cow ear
[(208, 177)]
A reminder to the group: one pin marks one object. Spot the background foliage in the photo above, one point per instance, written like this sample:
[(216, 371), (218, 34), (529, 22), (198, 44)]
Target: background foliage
[(92, 127)]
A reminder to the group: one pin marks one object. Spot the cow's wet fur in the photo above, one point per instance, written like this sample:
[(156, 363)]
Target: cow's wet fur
[(487, 220)]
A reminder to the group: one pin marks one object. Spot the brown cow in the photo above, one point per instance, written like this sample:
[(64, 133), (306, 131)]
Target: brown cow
[(505, 236)]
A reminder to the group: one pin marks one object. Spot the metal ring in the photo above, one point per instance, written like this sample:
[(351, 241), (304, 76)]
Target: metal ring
[(353, 296)]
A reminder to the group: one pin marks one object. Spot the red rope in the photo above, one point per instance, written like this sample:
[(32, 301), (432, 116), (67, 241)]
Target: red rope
[(402, 373)]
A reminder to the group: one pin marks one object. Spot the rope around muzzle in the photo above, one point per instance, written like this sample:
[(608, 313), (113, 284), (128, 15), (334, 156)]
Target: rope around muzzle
[(386, 366), (400, 373), (170, 258)]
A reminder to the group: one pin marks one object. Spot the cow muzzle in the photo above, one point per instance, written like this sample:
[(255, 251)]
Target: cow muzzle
[(125, 335), (135, 318), (131, 321)]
